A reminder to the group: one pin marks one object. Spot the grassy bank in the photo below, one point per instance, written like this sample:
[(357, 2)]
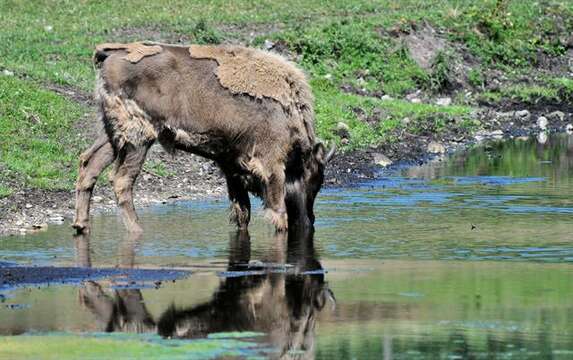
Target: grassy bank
[(354, 51)]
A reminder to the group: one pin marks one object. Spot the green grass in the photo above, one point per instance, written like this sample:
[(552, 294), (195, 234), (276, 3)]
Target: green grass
[(36, 128), (157, 169), (117, 345), (338, 42)]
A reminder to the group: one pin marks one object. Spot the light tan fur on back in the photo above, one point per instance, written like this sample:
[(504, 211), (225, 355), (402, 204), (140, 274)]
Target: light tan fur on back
[(261, 74), (135, 51)]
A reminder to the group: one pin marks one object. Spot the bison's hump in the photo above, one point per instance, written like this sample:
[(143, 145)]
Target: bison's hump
[(254, 72)]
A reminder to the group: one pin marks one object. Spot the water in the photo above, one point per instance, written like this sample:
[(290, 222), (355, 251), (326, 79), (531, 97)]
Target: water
[(466, 258)]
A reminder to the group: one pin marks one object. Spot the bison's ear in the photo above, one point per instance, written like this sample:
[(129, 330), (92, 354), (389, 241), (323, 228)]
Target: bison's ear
[(321, 155)]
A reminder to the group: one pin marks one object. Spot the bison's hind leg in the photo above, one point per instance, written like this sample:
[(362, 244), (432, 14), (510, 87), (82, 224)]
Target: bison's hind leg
[(127, 168), (92, 162)]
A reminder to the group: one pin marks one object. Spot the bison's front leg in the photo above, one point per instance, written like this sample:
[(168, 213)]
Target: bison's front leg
[(240, 203), (274, 199), (92, 162), (128, 167)]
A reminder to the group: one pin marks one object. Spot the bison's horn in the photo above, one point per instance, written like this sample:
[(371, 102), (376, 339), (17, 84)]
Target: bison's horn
[(330, 153)]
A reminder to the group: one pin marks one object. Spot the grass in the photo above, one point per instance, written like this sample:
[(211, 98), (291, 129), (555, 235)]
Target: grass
[(338, 43), (37, 132), (117, 345)]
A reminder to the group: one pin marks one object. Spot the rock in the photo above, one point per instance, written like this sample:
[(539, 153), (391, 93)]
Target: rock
[(483, 135), (381, 159), (569, 128), (542, 137), (7, 72), (386, 97), (542, 122), (436, 148), (97, 199), (556, 116), (56, 219), (405, 121), (523, 114), (342, 130), (445, 101), (269, 44), (111, 202), (147, 177), (415, 101), (28, 206)]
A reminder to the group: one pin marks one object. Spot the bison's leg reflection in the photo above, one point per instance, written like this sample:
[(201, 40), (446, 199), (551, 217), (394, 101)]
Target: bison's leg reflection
[(122, 310), (282, 302)]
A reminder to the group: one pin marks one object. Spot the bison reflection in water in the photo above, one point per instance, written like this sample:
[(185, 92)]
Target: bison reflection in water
[(123, 311), (281, 297)]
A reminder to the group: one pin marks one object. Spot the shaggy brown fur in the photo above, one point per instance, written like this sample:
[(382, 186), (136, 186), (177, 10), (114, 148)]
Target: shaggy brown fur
[(257, 125)]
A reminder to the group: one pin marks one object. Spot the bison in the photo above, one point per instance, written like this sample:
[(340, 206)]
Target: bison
[(249, 111)]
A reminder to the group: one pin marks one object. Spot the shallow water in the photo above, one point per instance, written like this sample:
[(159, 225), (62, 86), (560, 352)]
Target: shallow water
[(469, 257)]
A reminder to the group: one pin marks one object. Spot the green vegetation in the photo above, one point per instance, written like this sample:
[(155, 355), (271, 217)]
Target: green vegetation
[(106, 346), (157, 169), (36, 128), (355, 45)]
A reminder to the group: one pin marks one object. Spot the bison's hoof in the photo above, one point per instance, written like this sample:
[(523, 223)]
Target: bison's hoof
[(81, 228), (278, 219)]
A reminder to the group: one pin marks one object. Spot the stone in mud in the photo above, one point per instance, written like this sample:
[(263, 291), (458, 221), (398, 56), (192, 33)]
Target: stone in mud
[(342, 130), (97, 199), (556, 116), (445, 101), (381, 159), (542, 137), (436, 148), (523, 114), (542, 122)]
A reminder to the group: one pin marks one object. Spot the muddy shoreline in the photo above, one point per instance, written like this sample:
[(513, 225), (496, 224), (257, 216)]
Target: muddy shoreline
[(189, 177)]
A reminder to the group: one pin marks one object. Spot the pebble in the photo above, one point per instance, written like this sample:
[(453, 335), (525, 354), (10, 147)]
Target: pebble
[(269, 44), (29, 206), (97, 199), (523, 114), (436, 148), (556, 116), (445, 101), (542, 122), (381, 159), (343, 130), (542, 137)]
